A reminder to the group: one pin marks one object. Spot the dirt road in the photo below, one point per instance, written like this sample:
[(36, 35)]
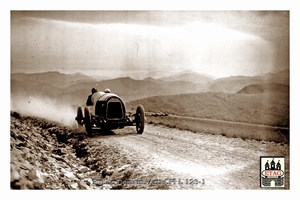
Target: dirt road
[(46, 155), (187, 160)]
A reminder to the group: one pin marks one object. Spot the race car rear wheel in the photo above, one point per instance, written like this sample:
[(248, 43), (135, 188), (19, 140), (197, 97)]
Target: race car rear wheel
[(140, 119), (79, 117), (88, 121)]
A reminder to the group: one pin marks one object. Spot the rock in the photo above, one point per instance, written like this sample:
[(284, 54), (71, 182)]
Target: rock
[(33, 174), (68, 174), (26, 165), (82, 185), (13, 133), (39, 155), (57, 157), (123, 168), (83, 169), (74, 186), (20, 144), (71, 157), (14, 174), (73, 165), (57, 152), (44, 157), (22, 137), (25, 152), (64, 151), (22, 184), (88, 181), (36, 177), (80, 176), (107, 172)]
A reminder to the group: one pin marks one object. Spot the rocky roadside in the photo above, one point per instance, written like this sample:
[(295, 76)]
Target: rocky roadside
[(46, 155)]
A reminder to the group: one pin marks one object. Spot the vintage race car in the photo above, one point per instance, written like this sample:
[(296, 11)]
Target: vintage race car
[(108, 112)]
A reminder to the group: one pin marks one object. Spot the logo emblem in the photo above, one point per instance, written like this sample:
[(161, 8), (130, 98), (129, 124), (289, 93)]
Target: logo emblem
[(272, 171)]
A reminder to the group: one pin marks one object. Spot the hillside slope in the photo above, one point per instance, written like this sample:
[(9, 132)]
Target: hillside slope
[(263, 108), (46, 155), (265, 88)]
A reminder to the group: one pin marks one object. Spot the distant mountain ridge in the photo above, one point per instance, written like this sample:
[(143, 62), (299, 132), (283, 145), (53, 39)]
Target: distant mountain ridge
[(234, 84), (54, 78), (190, 76), (74, 88)]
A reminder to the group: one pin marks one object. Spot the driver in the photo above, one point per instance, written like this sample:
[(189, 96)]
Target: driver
[(89, 99)]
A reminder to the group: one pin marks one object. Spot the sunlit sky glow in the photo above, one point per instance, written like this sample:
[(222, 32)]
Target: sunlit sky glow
[(218, 43)]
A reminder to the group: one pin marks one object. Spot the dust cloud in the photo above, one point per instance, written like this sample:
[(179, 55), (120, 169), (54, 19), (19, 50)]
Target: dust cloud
[(46, 108)]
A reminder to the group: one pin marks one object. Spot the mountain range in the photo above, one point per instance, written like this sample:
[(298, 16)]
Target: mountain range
[(74, 88), (235, 83)]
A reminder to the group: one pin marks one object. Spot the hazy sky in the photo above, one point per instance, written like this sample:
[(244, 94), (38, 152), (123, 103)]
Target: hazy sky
[(218, 43)]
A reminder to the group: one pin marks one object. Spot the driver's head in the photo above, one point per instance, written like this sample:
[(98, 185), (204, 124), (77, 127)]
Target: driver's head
[(94, 90)]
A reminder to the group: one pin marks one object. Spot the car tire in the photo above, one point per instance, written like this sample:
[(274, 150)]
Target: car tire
[(140, 119), (79, 117), (88, 121)]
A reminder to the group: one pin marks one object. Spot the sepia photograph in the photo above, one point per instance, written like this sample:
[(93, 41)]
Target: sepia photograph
[(149, 99)]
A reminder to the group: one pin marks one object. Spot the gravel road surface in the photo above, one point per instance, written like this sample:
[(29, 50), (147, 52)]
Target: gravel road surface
[(184, 159)]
